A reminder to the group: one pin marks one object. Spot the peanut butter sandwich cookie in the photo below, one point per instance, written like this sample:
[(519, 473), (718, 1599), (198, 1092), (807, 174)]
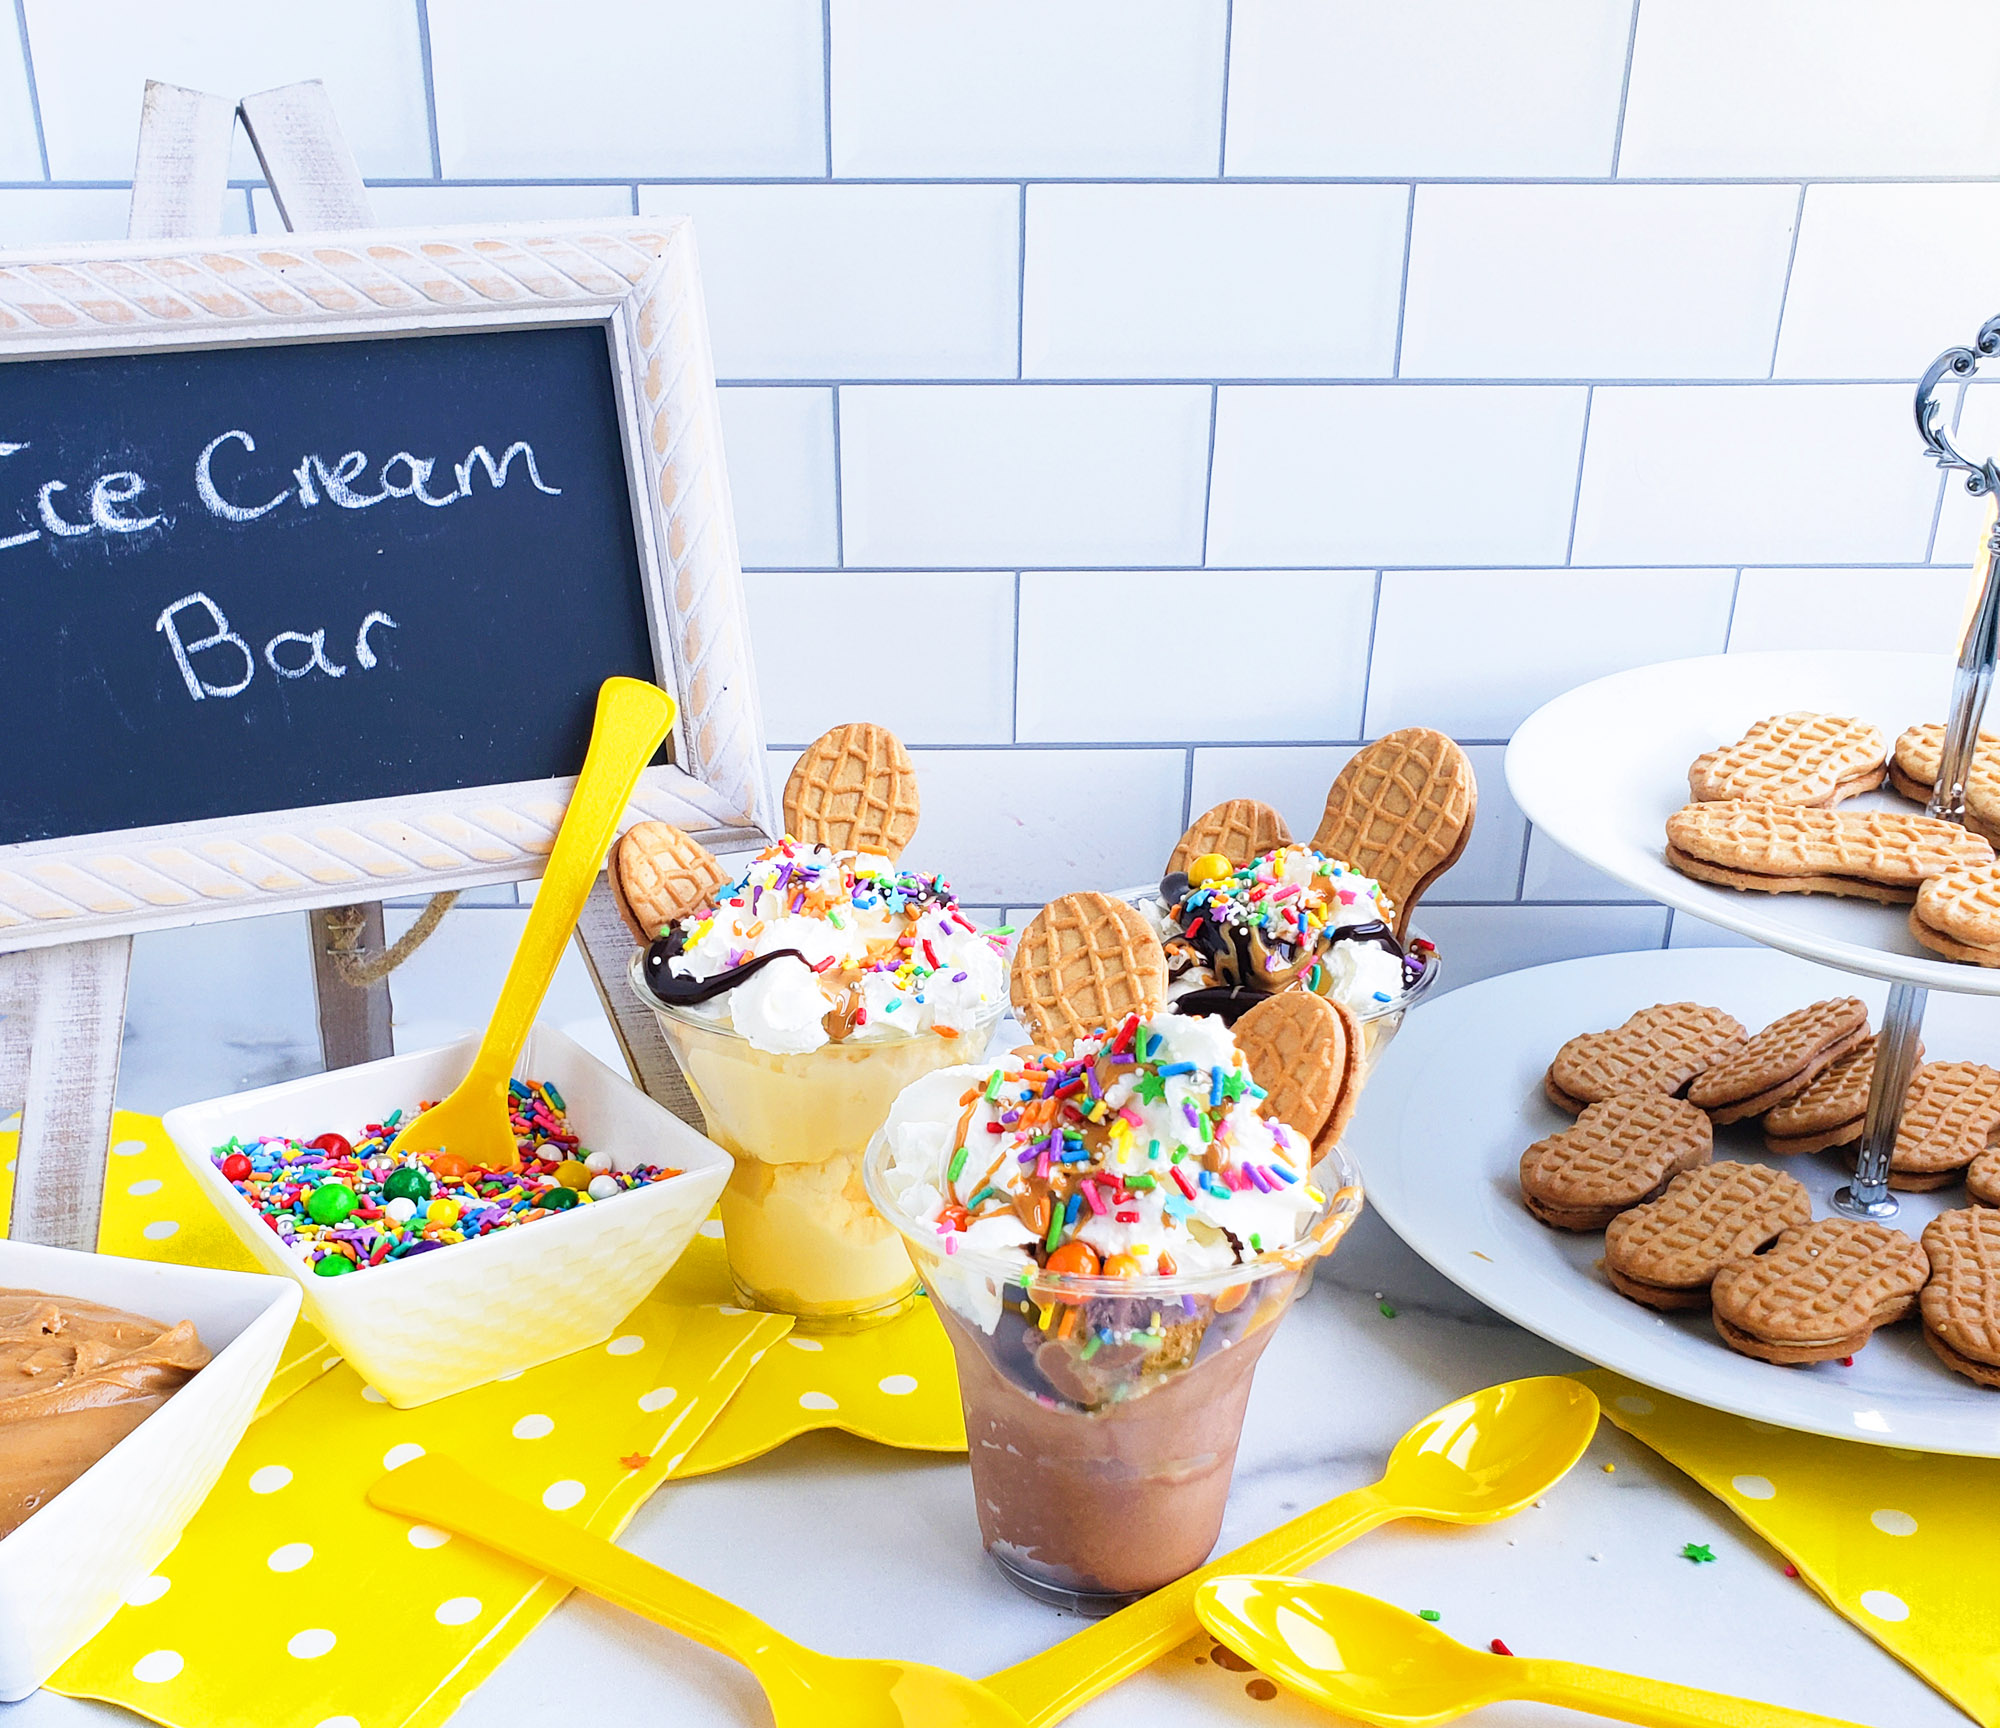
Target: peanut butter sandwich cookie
[(1918, 759), (1239, 829), (1961, 1303), (1307, 1052), (854, 789), (1401, 812), (1802, 758), (1831, 1111), (1958, 914), (1982, 1178), (1619, 1154), (1084, 963), (1667, 1252), (1950, 1115), (1819, 1294), (1660, 1049), (1779, 1061), (1784, 849), (658, 875)]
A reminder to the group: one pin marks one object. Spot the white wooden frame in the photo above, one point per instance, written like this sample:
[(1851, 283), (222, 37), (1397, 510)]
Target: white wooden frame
[(638, 278)]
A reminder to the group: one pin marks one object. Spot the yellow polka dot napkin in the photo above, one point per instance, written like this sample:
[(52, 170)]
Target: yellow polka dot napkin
[(894, 1384), (270, 1612), (1904, 1544)]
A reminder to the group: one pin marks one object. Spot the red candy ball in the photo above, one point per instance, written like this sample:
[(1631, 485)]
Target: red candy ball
[(333, 1145), (236, 1167)]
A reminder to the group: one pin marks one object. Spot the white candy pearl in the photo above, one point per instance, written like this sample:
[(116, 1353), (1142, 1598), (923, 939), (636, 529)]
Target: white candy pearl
[(603, 1187), (401, 1210), (598, 1163)]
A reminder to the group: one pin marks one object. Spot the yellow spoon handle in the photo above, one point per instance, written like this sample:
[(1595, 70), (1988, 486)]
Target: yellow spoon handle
[(1651, 1703), (632, 718), (1047, 1687), (443, 1492)]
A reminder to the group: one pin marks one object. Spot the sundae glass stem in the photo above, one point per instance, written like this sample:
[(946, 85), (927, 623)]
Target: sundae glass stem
[(1048, 1686)]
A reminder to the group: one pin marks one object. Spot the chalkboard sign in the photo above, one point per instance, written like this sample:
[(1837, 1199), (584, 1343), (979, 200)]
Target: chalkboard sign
[(253, 579), (315, 596)]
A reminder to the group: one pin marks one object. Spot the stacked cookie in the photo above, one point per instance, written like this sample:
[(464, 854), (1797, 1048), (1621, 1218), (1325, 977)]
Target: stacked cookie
[(1684, 1232)]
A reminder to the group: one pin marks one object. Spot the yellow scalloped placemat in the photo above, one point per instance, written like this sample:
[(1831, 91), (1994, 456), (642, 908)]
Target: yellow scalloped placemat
[(893, 1384), (1904, 1544)]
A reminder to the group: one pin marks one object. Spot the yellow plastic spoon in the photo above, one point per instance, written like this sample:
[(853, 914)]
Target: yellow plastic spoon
[(1480, 1458), (1371, 1662), (632, 718)]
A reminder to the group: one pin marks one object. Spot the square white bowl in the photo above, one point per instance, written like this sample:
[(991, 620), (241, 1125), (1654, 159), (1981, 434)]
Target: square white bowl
[(65, 1572), (432, 1324)]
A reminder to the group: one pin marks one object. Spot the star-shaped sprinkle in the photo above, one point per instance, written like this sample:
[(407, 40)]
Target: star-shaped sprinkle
[(1233, 1083), (636, 1460), (1697, 1552), (1150, 1088)]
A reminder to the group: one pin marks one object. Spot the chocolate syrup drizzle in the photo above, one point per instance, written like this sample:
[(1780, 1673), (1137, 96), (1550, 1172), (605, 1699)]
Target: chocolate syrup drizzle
[(681, 992)]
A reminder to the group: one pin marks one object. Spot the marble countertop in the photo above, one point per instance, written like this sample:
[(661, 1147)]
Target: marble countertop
[(866, 1552)]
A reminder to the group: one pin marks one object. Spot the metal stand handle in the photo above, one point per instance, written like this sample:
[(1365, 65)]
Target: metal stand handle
[(1868, 1196)]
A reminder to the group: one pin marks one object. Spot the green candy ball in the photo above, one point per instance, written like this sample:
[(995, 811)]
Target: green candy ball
[(330, 1203), (408, 1183), (333, 1265), (558, 1199)]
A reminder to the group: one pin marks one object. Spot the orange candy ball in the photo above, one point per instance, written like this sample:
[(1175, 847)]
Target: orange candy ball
[(1077, 1258), (449, 1166), (1122, 1266)]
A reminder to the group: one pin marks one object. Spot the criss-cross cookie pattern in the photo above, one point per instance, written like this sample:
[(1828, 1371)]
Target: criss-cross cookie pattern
[(1660, 1049), (1239, 829), (1302, 1049), (1400, 811), (1828, 1280), (855, 789), (1084, 963), (1706, 1218), (1964, 904), (1781, 1049), (1799, 758), (1919, 755), (1950, 1115), (1618, 1153), (661, 875), (1961, 1303), (1837, 1094), (1892, 847)]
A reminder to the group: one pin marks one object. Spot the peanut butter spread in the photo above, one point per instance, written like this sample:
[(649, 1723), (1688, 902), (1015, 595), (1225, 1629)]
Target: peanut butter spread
[(75, 1379)]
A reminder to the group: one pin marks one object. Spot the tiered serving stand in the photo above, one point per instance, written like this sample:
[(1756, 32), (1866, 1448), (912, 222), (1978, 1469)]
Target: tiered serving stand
[(1599, 771)]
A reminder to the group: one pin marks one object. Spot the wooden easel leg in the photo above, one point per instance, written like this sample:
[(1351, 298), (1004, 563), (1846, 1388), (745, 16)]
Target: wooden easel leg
[(606, 946), (354, 1019), (59, 1046)]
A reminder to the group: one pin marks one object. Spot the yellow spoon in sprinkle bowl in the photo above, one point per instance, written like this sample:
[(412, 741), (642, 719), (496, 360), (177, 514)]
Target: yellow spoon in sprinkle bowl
[(1371, 1662), (472, 1123)]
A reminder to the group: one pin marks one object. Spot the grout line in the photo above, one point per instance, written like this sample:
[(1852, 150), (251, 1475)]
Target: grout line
[(1517, 905), (34, 89), (1020, 288), (1785, 293), (1576, 497), (819, 180), (1187, 793), (1131, 744), (1625, 89), (1403, 292), (826, 76), (839, 501), (1208, 479), (1667, 939), (430, 85), (992, 566), (1368, 665), (1228, 45), (1735, 593), (1300, 381), (1521, 875), (1014, 716)]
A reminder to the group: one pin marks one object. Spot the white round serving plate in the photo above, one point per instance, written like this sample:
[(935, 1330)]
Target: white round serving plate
[(1601, 768), (1458, 1098)]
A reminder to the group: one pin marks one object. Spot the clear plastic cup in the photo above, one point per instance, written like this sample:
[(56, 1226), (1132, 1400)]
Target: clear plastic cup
[(1101, 1464), (801, 1235)]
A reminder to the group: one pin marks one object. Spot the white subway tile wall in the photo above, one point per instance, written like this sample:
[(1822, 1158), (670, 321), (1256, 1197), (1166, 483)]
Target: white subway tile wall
[(1142, 403)]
